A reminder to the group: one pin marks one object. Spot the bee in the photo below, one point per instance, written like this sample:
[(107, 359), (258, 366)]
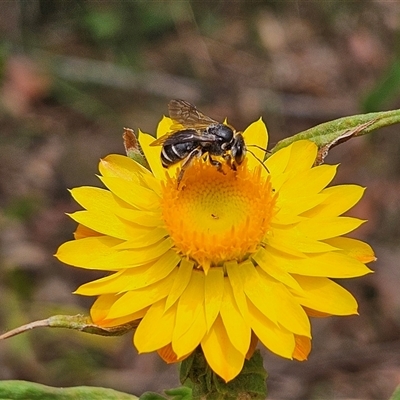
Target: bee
[(201, 135)]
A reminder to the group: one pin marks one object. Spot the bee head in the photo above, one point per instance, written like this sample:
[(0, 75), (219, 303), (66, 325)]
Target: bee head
[(238, 149)]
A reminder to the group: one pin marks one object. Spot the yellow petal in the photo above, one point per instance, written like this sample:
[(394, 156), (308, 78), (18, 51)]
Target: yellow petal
[(107, 224), (278, 162), (315, 313), (158, 270), (303, 348), (183, 277), (302, 156), (110, 284), (237, 283), (134, 194), (236, 327), (269, 264), (81, 252), (290, 314), (214, 291), (295, 239), (190, 304), (220, 354), (332, 265), (152, 183), (132, 278), (253, 345), (256, 134), (291, 161), (275, 338), (278, 245), (321, 229), (311, 181), (140, 256), (116, 165), (84, 232), (94, 199), (98, 253), (168, 355), (261, 295), (100, 309), (324, 295), (143, 218), (339, 200), (149, 237), (132, 319), (192, 337), (353, 248), (136, 300), (164, 126), (288, 209), (155, 329), (152, 154)]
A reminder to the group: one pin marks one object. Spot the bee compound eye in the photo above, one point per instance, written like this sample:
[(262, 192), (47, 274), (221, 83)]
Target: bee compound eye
[(238, 152)]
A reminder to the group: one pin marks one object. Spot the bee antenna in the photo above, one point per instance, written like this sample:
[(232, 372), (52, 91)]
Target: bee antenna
[(264, 166), (258, 147)]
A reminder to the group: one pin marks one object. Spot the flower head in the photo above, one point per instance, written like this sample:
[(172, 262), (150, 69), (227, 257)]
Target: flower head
[(224, 259)]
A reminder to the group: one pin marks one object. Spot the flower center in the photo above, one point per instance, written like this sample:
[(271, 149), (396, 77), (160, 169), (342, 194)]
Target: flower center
[(216, 216)]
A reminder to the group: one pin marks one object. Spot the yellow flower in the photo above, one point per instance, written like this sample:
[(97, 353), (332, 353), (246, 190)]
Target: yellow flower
[(225, 259)]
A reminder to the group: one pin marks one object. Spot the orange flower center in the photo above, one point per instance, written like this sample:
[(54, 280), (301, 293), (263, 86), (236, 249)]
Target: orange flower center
[(216, 216)]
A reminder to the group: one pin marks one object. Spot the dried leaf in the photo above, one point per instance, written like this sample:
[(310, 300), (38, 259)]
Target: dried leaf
[(132, 148)]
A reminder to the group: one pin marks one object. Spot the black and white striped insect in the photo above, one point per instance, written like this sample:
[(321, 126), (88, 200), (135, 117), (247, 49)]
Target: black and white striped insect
[(201, 135)]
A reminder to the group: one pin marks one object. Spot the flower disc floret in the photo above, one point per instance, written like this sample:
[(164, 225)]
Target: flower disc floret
[(214, 216)]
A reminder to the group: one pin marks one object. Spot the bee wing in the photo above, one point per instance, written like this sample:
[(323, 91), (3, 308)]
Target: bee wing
[(185, 136), (188, 115), (161, 140)]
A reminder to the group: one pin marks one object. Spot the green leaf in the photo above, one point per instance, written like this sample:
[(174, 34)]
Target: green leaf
[(22, 390), (396, 394), (386, 89), (103, 24), (151, 396), (196, 373), (180, 393), (251, 380), (250, 383), (332, 133), (78, 322)]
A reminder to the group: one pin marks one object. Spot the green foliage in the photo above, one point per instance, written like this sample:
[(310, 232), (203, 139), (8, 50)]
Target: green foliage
[(205, 384), (180, 393), (331, 133), (21, 390), (21, 282), (396, 394), (103, 24), (22, 208), (386, 89)]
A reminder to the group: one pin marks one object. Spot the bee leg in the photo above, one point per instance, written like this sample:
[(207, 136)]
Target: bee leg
[(228, 159), (195, 153), (216, 164)]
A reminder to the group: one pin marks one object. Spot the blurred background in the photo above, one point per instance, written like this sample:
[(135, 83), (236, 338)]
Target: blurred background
[(74, 73)]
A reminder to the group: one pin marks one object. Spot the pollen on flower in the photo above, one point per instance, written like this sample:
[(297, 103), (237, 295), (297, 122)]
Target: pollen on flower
[(215, 216)]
